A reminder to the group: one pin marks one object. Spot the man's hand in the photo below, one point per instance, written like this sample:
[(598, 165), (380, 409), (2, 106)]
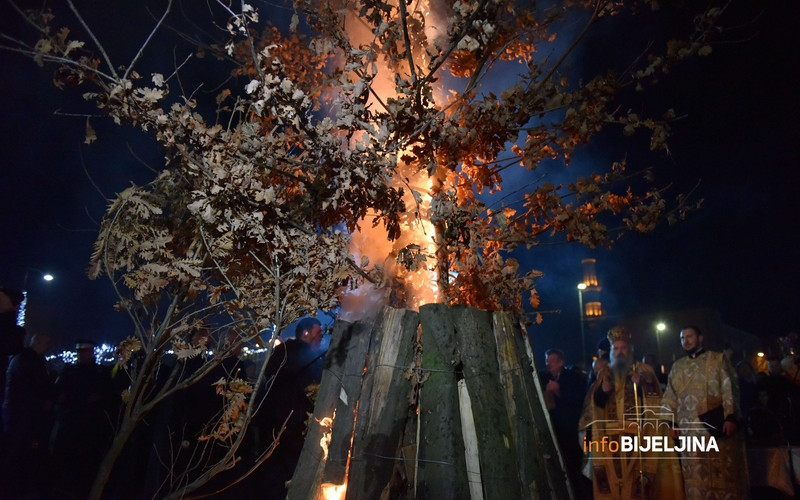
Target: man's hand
[(553, 387), (605, 376), (728, 428)]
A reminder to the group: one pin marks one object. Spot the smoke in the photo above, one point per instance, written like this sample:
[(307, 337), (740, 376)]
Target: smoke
[(362, 303)]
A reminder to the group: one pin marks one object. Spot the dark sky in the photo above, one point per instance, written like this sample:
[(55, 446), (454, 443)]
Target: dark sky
[(737, 254), (740, 140)]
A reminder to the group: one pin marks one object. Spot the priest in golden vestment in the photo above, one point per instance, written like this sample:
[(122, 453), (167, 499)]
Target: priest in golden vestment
[(702, 392), (625, 442)]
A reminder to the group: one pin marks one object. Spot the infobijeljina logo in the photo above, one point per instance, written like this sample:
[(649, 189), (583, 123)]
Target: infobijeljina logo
[(647, 438), (655, 444)]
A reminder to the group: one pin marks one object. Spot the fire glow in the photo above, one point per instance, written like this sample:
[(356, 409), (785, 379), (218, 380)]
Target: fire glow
[(412, 263), (415, 270), (333, 491), (329, 491), (327, 424)]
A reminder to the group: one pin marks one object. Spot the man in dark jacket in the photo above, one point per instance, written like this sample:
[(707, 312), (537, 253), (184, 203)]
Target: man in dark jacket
[(564, 390), (86, 403), (28, 418), (295, 365)]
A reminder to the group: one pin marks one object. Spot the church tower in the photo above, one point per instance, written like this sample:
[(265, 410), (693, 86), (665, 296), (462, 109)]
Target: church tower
[(592, 307)]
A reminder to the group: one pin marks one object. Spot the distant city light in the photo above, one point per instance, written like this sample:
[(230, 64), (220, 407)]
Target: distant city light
[(23, 305), (106, 354), (21, 312)]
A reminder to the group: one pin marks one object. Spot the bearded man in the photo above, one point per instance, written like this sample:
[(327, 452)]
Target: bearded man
[(702, 392), (622, 408)]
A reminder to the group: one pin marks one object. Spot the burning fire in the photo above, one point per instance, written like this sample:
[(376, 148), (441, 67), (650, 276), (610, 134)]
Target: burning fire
[(329, 491), (420, 279), (327, 424), (333, 491), (371, 242)]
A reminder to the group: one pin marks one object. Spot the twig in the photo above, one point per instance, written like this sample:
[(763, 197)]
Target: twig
[(253, 53), (146, 42), (56, 59), (94, 39), (407, 40), (148, 167), (595, 15), (89, 176)]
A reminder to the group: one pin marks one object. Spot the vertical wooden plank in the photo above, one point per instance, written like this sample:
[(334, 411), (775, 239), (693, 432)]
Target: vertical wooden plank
[(471, 452), (498, 456), (383, 407), (349, 345), (557, 485), (519, 418), (354, 358), (526, 416), (442, 468)]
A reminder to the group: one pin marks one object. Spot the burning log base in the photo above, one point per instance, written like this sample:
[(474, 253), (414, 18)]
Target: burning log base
[(440, 404)]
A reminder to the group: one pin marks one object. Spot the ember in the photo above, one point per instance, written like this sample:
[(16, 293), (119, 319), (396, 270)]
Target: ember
[(327, 424)]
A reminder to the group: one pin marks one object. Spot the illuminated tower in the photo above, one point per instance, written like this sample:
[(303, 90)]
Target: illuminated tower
[(592, 307)]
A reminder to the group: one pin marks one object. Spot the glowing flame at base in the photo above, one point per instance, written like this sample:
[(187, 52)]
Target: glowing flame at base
[(333, 491), (329, 491)]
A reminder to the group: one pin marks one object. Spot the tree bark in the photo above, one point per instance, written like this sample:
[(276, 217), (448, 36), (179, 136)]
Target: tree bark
[(352, 376), (442, 472), (557, 482), (383, 407), (498, 455), (540, 473), (111, 456)]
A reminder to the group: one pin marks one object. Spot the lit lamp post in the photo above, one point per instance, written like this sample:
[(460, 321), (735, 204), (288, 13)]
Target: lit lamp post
[(660, 327), (760, 362), (581, 288), (44, 276)]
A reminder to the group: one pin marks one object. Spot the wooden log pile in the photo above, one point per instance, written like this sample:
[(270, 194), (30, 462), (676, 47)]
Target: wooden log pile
[(442, 404)]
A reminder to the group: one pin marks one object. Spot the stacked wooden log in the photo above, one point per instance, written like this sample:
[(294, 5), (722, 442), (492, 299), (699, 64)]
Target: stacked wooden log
[(443, 404)]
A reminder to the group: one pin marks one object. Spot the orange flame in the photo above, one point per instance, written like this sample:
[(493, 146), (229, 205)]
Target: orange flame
[(327, 424), (329, 491), (371, 242), (333, 491)]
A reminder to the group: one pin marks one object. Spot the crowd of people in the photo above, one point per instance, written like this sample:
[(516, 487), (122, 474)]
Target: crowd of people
[(57, 426), (691, 426)]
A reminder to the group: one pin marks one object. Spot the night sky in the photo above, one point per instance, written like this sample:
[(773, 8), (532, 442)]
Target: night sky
[(739, 140), (738, 254)]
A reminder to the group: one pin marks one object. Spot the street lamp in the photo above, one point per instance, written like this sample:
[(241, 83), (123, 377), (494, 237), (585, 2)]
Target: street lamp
[(45, 277), (660, 327), (581, 288)]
